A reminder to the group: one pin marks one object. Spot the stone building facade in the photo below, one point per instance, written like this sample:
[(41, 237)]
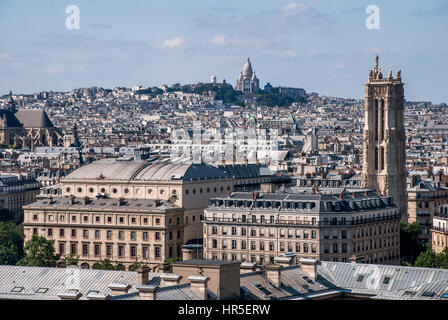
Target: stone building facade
[(439, 230), (125, 231), (384, 157), (98, 189), (424, 199), (17, 190)]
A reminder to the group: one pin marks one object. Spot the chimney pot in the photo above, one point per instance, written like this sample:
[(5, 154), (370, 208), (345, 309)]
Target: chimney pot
[(143, 274), (147, 292), (119, 288), (199, 285), (273, 273), (309, 266)]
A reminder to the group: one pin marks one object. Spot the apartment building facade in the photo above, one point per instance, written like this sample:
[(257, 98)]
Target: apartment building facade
[(332, 226), (424, 199), (439, 230)]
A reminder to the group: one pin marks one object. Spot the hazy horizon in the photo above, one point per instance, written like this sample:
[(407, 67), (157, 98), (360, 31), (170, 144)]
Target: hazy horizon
[(321, 46)]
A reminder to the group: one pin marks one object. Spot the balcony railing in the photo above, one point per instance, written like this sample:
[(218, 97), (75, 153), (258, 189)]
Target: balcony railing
[(441, 229), (301, 223)]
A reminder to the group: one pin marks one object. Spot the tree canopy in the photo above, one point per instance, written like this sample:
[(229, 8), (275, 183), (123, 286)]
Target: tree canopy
[(11, 243), (69, 260), (105, 264), (430, 259), (39, 252), (135, 265), (7, 215), (411, 246)]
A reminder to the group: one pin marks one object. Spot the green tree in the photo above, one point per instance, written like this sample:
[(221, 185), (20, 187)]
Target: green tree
[(427, 259), (39, 252), (7, 215), (442, 259), (411, 246), (69, 260), (105, 264), (11, 243), (135, 265), (430, 259)]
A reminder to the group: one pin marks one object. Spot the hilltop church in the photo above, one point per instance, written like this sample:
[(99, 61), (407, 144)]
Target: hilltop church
[(247, 81), (27, 127)]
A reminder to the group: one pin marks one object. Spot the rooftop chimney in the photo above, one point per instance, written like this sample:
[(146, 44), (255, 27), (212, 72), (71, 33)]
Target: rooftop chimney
[(119, 288), (143, 273), (120, 201), (309, 266), (273, 273), (199, 285), (192, 252), (164, 267), (147, 292), (247, 267), (284, 261), (170, 279)]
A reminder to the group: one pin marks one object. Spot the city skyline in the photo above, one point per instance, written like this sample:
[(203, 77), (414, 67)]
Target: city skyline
[(289, 43)]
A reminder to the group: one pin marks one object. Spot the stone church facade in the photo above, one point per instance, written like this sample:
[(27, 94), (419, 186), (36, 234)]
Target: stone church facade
[(247, 81), (27, 127)]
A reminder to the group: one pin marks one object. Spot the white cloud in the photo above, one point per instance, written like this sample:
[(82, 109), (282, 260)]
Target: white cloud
[(283, 53), (173, 43), (53, 70), (4, 55), (220, 40), (295, 8)]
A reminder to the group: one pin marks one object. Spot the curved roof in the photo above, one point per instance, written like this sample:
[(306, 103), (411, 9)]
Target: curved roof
[(33, 118), (110, 169)]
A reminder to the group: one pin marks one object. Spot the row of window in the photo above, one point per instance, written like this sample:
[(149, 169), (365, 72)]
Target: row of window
[(244, 257), (115, 190), (372, 244), (262, 219), (150, 191), (201, 190), (109, 234), (374, 230), (261, 232), (120, 250), (264, 246), (109, 219)]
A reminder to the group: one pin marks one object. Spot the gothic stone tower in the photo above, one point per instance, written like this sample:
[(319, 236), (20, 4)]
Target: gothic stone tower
[(384, 154)]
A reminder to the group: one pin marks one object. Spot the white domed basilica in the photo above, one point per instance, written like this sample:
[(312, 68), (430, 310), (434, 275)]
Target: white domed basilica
[(247, 81)]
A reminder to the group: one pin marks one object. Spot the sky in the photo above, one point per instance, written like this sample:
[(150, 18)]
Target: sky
[(322, 46)]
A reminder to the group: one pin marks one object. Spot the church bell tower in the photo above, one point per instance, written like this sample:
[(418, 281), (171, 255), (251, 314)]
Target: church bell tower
[(384, 154)]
